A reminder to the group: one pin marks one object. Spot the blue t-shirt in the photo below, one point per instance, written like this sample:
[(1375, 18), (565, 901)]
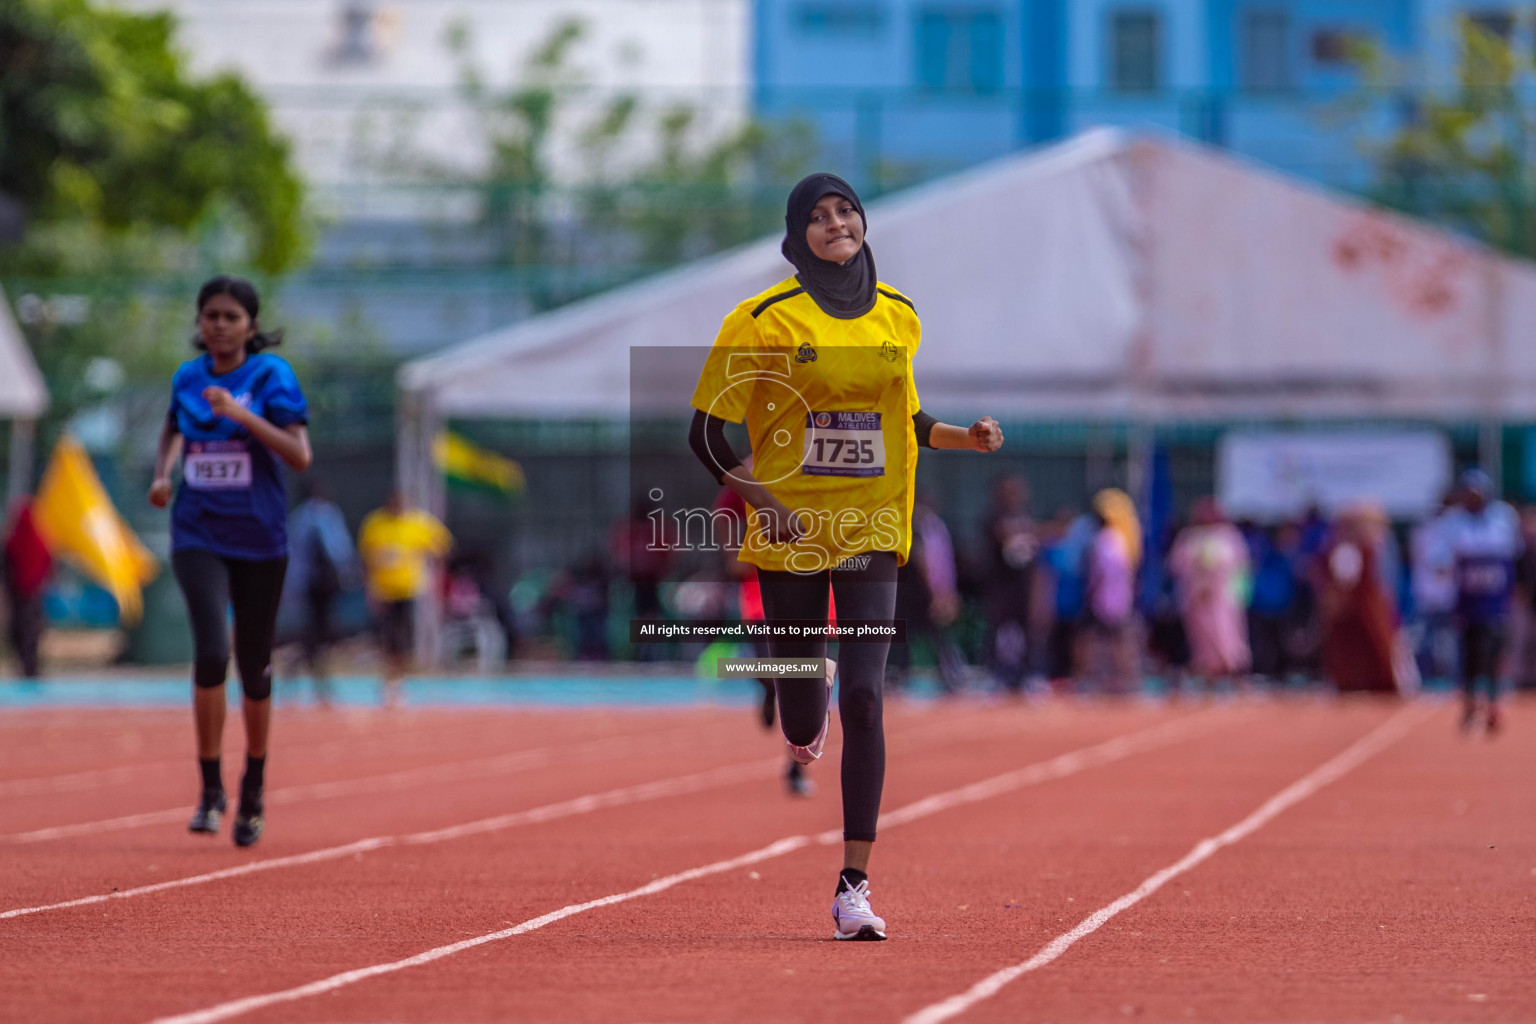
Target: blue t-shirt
[(233, 501), (1274, 580)]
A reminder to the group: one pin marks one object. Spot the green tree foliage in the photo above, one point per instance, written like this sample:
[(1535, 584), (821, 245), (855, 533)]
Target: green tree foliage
[(137, 181), (695, 199), (1464, 156), (101, 128), (696, 191), (517, 125)]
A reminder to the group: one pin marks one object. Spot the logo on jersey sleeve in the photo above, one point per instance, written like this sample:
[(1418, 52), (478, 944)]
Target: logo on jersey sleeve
[(806, 353)]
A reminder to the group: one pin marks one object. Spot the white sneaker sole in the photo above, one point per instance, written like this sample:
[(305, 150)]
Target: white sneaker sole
[(868, 933), (812, 752)]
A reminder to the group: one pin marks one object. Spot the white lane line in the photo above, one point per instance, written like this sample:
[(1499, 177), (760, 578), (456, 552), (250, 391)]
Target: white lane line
[(453, 771), (1373, 743), (1058, 767), (489, 766), (77, 781), (342, 735), (644, 792), (327, 753), (224, 1011), (313, 749), (679, 785), (309, 756), (456, 771)]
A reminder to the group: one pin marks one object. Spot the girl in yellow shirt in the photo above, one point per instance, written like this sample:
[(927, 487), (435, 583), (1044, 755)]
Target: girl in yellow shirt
[(820, 368), (397, 544)]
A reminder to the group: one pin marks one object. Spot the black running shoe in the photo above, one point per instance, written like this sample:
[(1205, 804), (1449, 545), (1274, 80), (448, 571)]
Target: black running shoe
[(1468, 716), (797, 782), (248, 820), (206, 818), (248, 827)]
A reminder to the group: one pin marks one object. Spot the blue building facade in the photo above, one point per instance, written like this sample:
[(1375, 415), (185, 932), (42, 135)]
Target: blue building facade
[(902, 90)]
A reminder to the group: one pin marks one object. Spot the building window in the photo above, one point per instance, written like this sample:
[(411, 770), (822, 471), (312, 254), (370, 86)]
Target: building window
[(1333, 47), (960, 50), (1266, 51), (839, 19), (1136, 46), (1498, 23), (356, 34)]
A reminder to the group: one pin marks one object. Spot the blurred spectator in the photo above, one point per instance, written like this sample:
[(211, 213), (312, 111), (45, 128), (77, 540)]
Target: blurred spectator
[(644, 557), (479, 613), (1486, 540), (1356, 612), (28, 566), (583, 590), (1209, 563), (1389, 563), (1525, 605), (1315, 532), (1167, 646), (928, 599), (1301, 638), (1433, 588), (1012, 545), (1272, 608), (1066, 559), (397, 544), (1110, 653), (322, 565)]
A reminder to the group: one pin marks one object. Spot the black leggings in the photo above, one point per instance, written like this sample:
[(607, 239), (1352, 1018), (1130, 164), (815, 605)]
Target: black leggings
[(862, 593), (211, 584), (1482, 645)]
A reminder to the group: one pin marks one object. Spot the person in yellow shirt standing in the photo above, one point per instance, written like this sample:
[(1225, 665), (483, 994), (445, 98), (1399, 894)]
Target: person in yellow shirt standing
[(397, 545), (820, 368)]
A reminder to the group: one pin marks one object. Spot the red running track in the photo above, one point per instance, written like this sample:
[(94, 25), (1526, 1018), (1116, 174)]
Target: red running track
[(647, 866)]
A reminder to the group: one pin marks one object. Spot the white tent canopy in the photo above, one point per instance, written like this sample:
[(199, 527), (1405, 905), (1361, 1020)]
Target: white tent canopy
[(1108, 276), (23, 396), (22, 393)]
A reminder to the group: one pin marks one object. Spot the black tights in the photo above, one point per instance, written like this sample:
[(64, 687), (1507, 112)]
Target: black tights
[(1482, 644), (212, 584), (862, 593)]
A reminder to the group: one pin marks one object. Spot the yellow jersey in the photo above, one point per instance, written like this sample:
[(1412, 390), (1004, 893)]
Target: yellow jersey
[(828, 404), (395, 549)]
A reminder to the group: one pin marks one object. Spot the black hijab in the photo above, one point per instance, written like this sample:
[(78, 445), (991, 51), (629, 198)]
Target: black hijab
[(843, 290)]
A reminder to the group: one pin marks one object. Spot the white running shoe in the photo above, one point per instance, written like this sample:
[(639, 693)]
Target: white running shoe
[(809, 753), (854, 919)]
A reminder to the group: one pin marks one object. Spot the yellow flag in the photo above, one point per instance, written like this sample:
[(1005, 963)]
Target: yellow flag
[(465, 463), (79, 524)]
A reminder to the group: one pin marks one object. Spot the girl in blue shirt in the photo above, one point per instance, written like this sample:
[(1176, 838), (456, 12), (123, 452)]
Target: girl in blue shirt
[(236, 410)]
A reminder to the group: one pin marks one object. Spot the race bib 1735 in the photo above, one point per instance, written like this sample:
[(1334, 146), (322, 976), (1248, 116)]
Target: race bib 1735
[(843, 444), (217, 465)]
